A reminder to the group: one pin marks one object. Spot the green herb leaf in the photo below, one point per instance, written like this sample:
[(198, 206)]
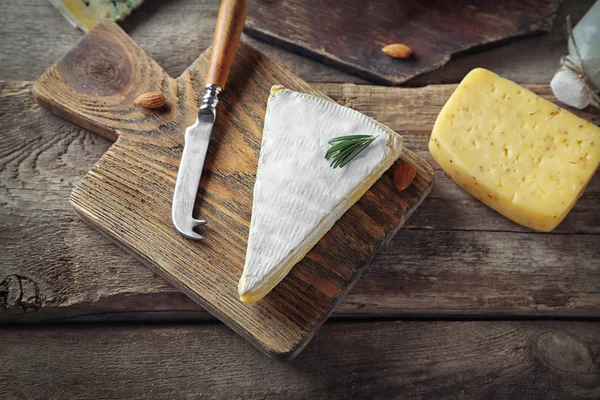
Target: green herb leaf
[(345, 148), (349, 137)]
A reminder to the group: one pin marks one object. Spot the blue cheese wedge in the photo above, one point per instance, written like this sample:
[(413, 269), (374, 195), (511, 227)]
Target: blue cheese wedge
[(297, 195), (84, 14)]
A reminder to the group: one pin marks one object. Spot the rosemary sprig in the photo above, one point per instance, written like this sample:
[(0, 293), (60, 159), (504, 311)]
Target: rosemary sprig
[(344, 148)]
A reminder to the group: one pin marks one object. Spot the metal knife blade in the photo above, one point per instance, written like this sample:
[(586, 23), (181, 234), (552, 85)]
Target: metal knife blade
[(197, 138), (228, 30)]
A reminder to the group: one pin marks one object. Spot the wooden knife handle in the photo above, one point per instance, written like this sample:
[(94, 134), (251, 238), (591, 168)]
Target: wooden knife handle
[(232, 15)]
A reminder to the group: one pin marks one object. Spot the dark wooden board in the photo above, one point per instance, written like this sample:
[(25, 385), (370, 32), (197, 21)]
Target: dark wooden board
[(127, 195), (186, 26), (350, 34), (390, 360), (69, 272)]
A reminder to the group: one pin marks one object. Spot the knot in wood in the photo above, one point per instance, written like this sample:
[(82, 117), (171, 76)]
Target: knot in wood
[(101, 68), (564, 352), (19, 295)]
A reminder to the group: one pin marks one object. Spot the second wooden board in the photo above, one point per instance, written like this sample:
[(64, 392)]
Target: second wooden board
[(127, 195), (350, 34)]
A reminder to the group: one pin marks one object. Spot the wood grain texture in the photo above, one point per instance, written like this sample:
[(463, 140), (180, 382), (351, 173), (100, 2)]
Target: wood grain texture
[(186, 26), (472, 267), (351, 34), (391, 360), (80, 273), (127, 195), (228, 30)]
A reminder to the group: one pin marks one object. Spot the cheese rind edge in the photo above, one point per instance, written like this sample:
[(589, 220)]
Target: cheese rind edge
[(320, 197)]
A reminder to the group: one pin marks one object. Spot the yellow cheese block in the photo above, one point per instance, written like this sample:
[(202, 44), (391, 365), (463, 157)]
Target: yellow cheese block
[(525, 157)]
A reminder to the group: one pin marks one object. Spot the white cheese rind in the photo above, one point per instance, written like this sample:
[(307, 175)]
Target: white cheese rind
[(298, 196)]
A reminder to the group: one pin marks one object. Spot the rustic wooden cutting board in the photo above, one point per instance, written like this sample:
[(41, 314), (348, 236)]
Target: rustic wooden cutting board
[(350, 34), (127, 195)]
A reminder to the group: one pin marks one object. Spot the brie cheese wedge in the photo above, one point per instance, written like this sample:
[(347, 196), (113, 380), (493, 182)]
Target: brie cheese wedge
[(297, 195)]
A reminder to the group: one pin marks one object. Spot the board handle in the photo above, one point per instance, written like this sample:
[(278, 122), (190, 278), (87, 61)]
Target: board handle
[(232, 15)]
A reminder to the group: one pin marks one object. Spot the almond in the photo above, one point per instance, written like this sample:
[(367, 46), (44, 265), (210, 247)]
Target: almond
[(404, 175), (397, 50), (151, 100)]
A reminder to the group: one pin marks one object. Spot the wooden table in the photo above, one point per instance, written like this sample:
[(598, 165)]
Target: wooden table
[(518, 317)]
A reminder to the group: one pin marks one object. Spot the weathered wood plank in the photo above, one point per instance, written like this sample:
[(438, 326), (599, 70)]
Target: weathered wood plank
[(412, 112), (81, 275), (127, 195), (465, 273), (174, 32), (467, 360), (350, 34)]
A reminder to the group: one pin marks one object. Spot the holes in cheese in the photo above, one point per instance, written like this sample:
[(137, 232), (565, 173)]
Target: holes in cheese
[(523, 156)]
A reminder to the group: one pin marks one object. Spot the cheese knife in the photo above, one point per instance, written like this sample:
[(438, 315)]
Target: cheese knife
[(230, 21)]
